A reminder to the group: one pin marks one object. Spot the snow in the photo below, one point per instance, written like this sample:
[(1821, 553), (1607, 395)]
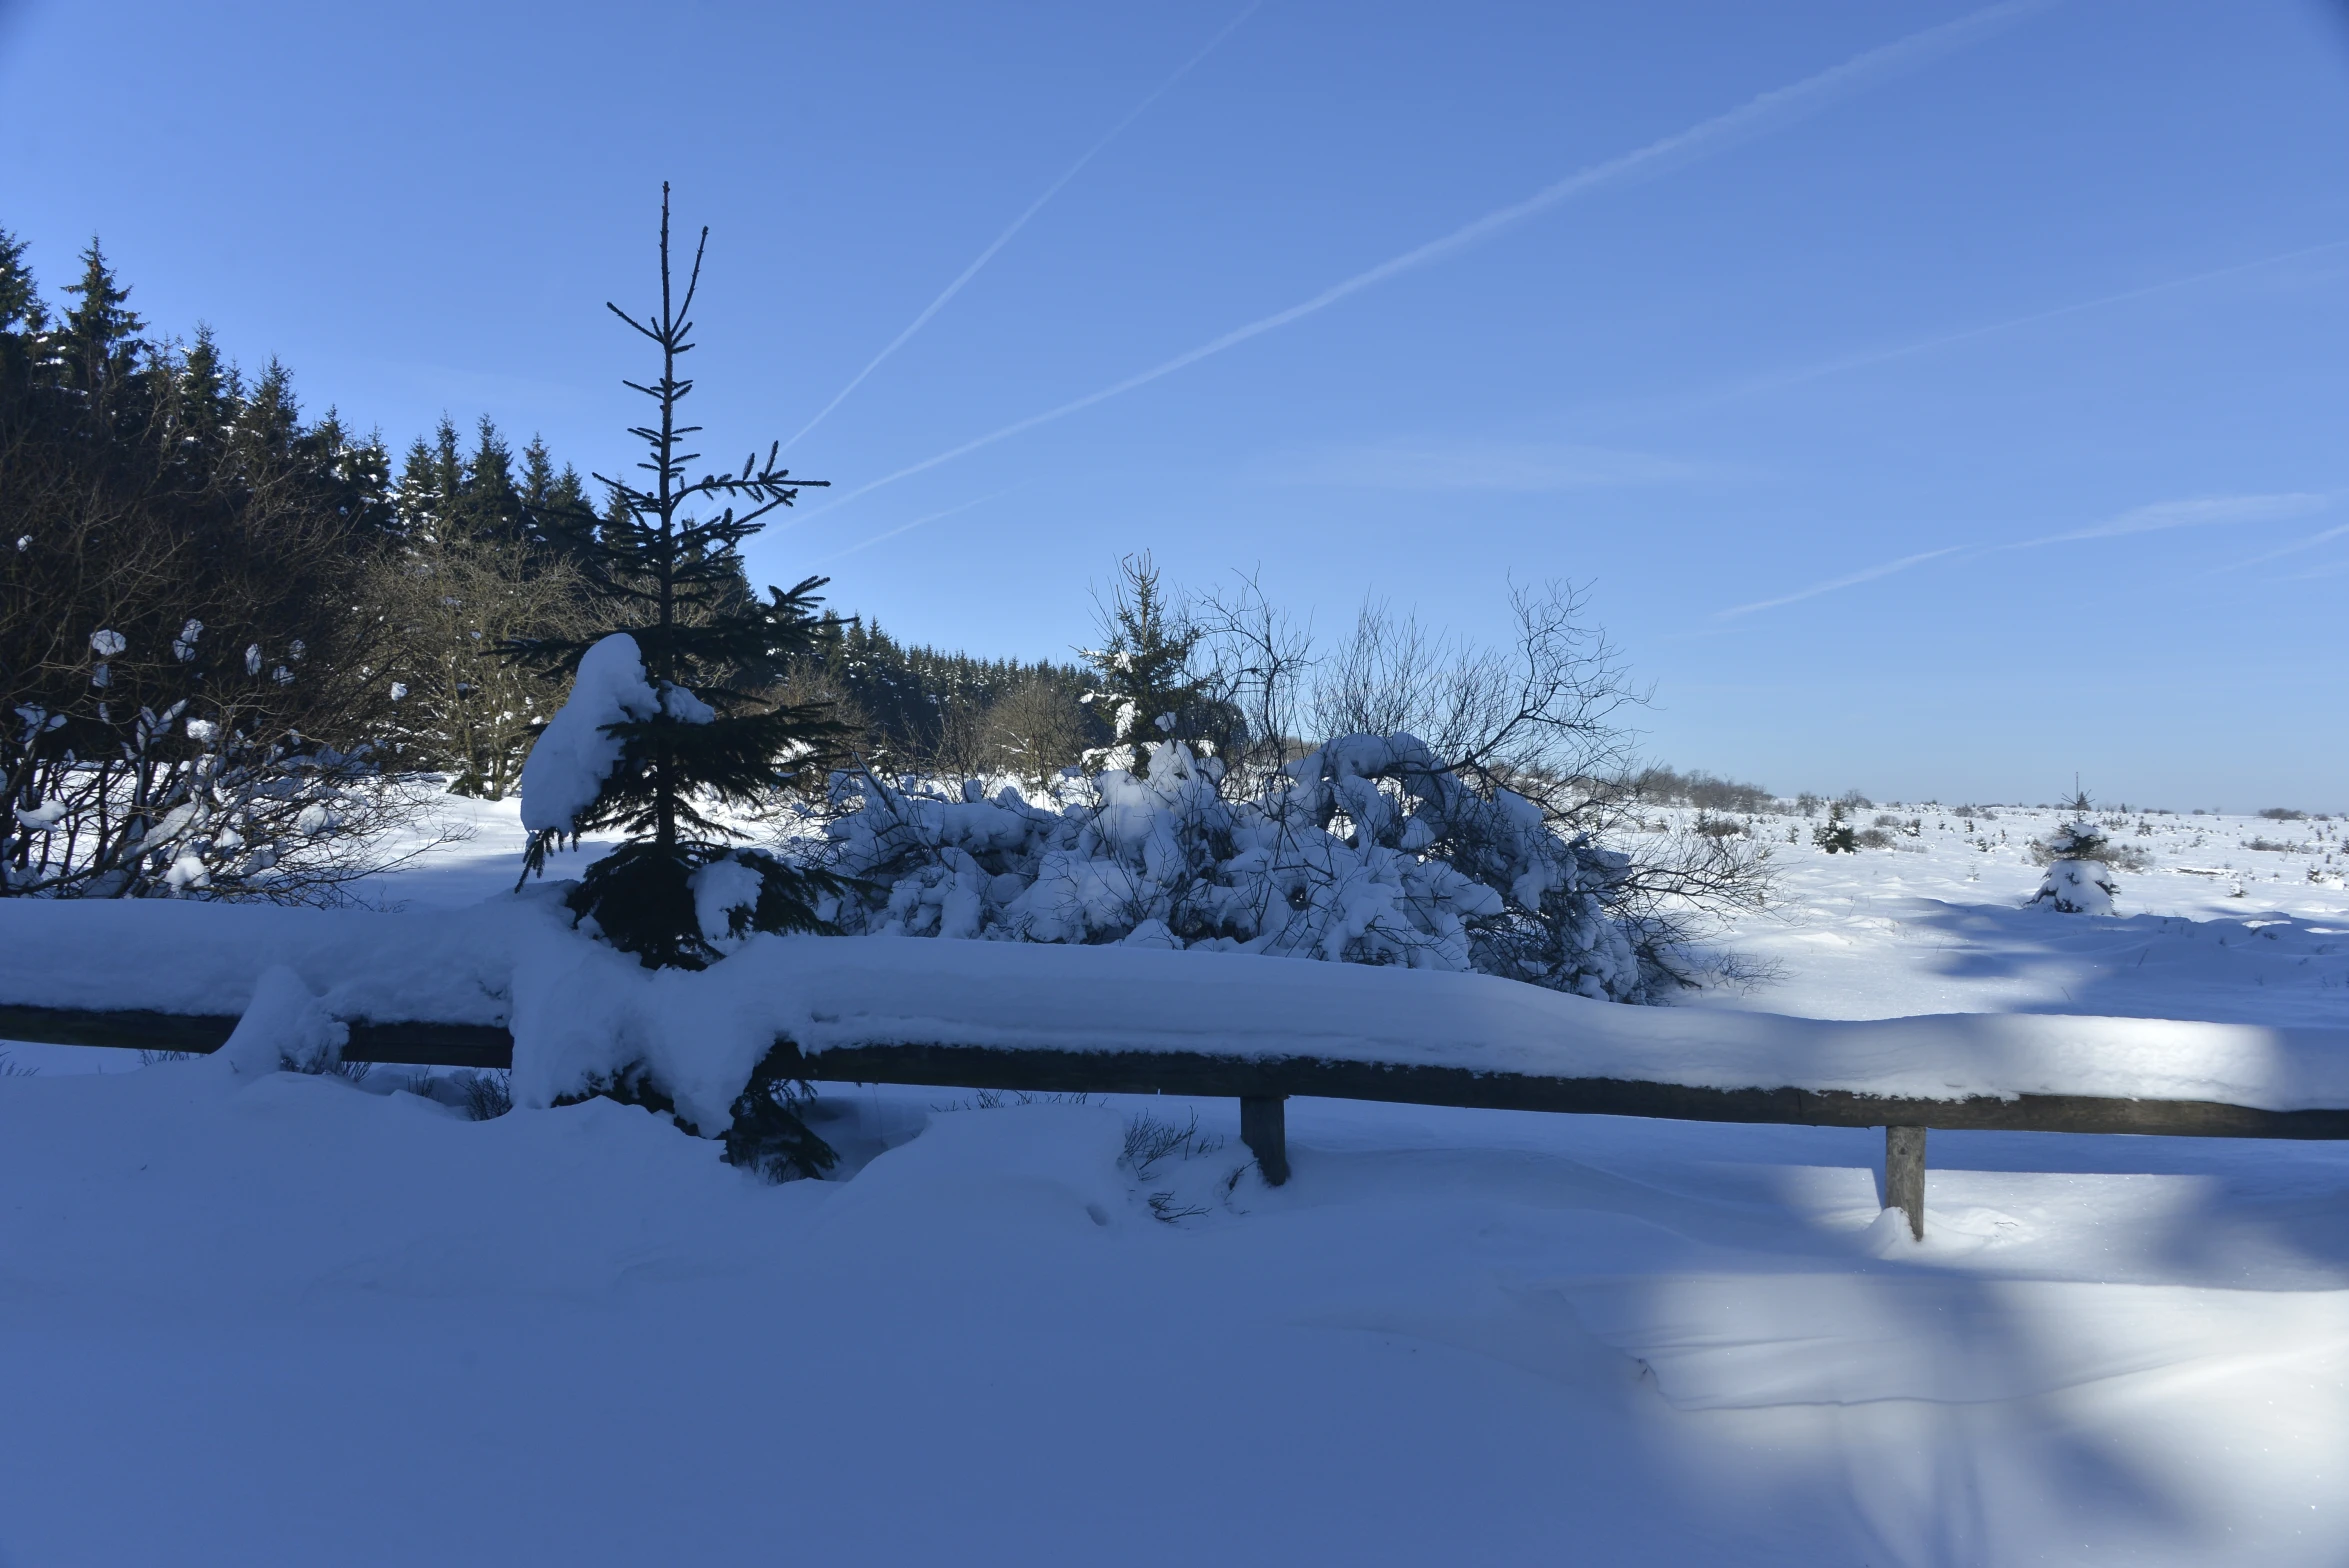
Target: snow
[(722, 887), (580, 1010), (1322, 862), (574, 1336), (572, 756), (285, 1026)]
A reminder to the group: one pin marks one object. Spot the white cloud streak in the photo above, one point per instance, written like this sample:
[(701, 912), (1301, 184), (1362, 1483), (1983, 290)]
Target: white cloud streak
[(2294, 548), (1768, 111), (2194, 512), (1877, 356), (1520, 467), (1021, 222), (907, 528), (1850, 580)]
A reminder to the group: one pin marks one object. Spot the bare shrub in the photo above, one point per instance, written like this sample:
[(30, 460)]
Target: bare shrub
[(1149, 1141), (1035, 729), (451, 598), (487, 1095)]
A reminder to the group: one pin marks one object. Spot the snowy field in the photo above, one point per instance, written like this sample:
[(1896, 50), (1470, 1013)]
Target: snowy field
[(304, 1321)]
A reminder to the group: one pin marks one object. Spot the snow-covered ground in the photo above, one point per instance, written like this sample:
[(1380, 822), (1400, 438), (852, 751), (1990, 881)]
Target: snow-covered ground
[(297, 1320), (2212, 929)]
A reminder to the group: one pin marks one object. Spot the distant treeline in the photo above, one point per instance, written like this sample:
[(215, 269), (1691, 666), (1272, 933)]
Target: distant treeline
[(1663, 786)]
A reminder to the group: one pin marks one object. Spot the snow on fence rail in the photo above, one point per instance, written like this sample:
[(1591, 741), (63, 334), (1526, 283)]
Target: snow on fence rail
[(508, 983)]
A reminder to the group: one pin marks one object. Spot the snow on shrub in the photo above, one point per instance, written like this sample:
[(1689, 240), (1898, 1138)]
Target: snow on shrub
[(1365, 850), (575, 753), (2078, 880)]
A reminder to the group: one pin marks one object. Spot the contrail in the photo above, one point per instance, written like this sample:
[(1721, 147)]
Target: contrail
[(1851, 581), (1877, 356), (1021, 222), (2196, 512), (1776, 107), (2294, 548), (918, 522)]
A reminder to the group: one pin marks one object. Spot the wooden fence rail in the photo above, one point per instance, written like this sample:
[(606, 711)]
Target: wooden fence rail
[(1263, 1084)]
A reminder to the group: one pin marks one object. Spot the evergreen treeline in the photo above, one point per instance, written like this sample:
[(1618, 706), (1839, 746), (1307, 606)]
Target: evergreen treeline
[(183, 652), (148, 486)]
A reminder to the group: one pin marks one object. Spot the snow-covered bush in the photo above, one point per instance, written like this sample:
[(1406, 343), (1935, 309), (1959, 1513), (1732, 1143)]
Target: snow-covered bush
[(2079, 881), (1456, 814), (2081, 840), (112, 798), (1365, 850)]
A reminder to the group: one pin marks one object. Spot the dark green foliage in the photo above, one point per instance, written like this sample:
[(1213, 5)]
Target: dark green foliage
[(445, 490), (547, 494), (1146, 688), (19, 300), (217, 538), (640, 897), (1835, 835), (101, 336), (768, 1135)]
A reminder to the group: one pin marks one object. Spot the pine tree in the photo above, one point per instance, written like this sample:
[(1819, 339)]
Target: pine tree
[(101, 332), (486, 496), (1148, 689), (1835, 835), (203, 393), (679, 736), (2078, 858), (547, 494), (19, 300)]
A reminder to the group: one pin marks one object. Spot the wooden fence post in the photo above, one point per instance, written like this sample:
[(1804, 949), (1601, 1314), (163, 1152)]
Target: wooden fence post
[(1264, 1129), (1904, 1175)]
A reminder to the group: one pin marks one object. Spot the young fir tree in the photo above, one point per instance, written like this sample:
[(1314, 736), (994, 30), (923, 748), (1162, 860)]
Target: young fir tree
[(19, 300), (659, 730), (2079, 878), (1148, 689), (101, 337)]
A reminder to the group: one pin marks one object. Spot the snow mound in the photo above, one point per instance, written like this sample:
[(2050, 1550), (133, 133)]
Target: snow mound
[(286, 1025), (1028, 1167), (574, 754)]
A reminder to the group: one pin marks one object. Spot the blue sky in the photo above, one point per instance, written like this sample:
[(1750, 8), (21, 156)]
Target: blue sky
[(1967, 415)]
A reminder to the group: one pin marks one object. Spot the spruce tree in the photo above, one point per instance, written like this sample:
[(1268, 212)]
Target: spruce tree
[(1148, 690), (487, 497), (545, 493), (19, 300), (101, 332), (663, 682), (1835, 835)]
